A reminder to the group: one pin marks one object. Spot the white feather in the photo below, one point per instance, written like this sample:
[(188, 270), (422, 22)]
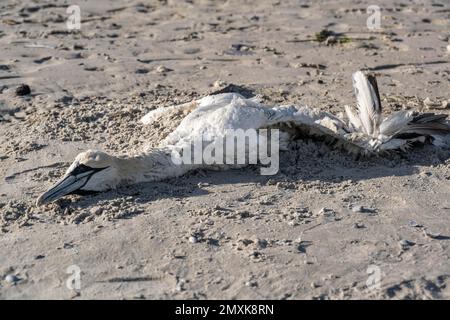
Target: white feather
[(368, 106), (353, 119), (395, 123)]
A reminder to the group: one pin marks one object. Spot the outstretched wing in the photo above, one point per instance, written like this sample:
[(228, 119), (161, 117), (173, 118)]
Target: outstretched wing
[(425, 124)]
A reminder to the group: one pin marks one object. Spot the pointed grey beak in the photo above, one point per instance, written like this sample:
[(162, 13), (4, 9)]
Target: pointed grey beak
[(70, 183)]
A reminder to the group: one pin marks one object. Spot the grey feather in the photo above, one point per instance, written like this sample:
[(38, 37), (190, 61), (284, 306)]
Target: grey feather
[(368, 100), (395, 123), (354, 121)]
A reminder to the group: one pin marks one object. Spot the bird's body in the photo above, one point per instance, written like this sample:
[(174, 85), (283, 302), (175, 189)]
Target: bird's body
[(212, 118)]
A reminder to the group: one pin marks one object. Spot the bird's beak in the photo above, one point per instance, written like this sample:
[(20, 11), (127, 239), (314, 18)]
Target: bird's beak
[(70, 183)]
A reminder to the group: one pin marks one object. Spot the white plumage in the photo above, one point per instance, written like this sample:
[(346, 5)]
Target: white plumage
[(209, 118)]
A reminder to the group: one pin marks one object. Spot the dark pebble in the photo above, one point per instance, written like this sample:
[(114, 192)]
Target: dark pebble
[(23, 90)]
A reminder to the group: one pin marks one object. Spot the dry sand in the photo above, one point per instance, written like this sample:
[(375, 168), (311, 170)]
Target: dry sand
[(236, 234)]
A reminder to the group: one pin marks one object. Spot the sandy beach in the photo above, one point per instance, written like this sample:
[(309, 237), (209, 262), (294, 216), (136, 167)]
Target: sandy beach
[(327, 226)]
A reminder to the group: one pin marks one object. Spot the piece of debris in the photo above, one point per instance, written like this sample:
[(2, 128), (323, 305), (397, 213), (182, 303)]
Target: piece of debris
[(405, 244), (330, 37), (251, 283), (362, 209), (219, 84), (193, 239), (10, 278), (359, 225), (23, 90), (430, 104), (432, 235), (163, 69), (414, 224)]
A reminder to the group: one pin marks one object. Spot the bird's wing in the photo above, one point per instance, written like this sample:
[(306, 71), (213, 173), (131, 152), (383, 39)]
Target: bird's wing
[(368, 100), (395, 123), (426, 124), (312, 122), (215, 115), (155, 114)]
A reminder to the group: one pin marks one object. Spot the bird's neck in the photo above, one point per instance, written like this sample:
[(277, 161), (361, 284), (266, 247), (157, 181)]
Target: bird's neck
[(153, 165)]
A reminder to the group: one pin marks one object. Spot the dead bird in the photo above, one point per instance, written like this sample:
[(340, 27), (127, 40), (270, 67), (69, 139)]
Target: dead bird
[(210, 119)]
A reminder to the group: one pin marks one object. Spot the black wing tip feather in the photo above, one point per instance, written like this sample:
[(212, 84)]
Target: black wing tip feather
[(428, 117), (372, 79)]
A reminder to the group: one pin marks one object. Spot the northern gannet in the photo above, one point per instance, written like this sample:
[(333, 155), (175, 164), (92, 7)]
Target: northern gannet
[(363, 131)]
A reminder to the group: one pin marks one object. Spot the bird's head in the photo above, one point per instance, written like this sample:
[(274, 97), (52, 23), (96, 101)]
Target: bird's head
[(92, 171)]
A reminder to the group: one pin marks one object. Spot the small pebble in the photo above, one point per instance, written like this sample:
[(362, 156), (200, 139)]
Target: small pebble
[(142, 71), (193, 239), (162, 69), (10, 278), (428, 103), (251, 284), (23, 90), (414, 224), (431, 234), (362, 209), (219, 84), (96, 210), (405, 244), (180, 285)]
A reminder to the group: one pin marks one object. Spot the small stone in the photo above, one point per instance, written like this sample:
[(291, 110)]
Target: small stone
[(260, 243), (193, 239), (327, 213), (180, 285), (142, 71), (90, 68), (331, 40), (428, 103), (359, 225), (362, 209), (191, 50), (244, 214), (162, 69), (74, 55), (219, 84), (414, 224), (251, 283), (405, 244), (96, 210), (10, 278), (431, 234), (23, 90), (448, 48)]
